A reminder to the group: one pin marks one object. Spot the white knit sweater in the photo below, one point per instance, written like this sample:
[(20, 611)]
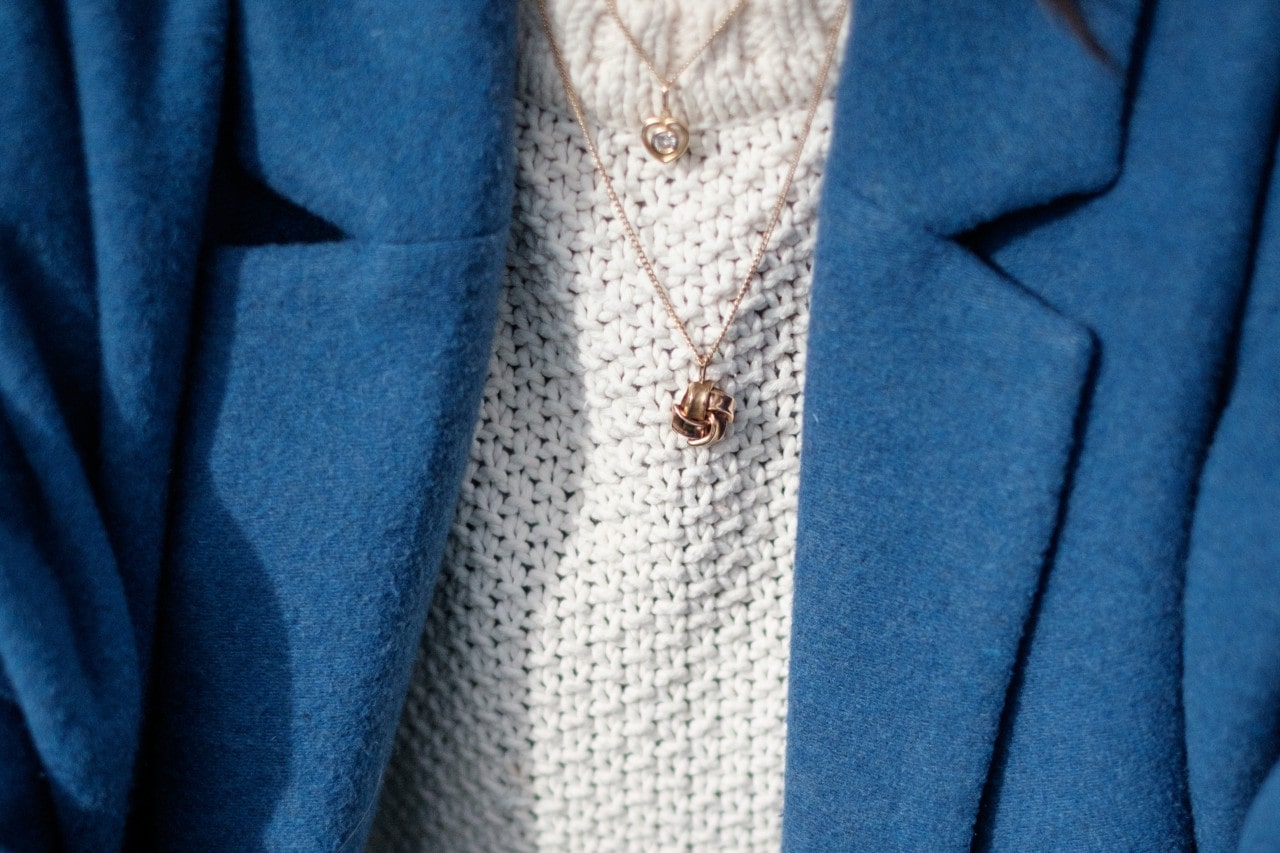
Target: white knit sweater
[(605, 660)]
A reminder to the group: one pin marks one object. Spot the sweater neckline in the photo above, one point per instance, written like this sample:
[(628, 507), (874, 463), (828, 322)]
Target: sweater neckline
[(765, 62)]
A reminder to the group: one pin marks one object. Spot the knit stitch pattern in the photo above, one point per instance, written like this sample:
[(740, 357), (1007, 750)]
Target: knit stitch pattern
[(604, 665)]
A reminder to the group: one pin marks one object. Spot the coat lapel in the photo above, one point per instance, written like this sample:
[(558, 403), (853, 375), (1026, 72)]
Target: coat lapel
[(941, 402)]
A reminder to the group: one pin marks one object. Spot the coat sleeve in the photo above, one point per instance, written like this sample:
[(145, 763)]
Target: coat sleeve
[(1232, 599), (107, 120)]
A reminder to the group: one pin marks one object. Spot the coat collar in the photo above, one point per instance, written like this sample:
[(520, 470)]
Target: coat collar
[(941, 397), (950, 115), (941, 402)]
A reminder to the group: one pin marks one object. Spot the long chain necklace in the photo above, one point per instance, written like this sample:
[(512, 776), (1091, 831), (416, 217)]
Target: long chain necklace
[(704, 412), (666, 137)]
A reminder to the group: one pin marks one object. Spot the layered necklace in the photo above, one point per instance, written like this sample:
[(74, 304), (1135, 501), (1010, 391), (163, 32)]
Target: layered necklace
[(703, 413)]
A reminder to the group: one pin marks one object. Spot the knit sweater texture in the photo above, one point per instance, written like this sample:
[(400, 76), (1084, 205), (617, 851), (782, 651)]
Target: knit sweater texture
[(604, 665)]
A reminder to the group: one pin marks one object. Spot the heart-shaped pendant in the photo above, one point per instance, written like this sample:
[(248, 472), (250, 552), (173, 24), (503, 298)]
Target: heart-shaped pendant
[(665, 137)]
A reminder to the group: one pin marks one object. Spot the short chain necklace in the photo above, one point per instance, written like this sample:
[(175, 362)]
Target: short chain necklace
[(666, 137), (705, 411)]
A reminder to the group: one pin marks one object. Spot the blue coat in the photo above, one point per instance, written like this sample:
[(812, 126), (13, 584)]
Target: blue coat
[(249, 266)]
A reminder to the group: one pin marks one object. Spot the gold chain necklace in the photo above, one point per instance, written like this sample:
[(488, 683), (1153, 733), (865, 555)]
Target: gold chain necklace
[(666, 137), (705, 411)]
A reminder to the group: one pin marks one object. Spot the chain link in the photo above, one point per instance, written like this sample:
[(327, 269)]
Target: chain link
[(703, 359)]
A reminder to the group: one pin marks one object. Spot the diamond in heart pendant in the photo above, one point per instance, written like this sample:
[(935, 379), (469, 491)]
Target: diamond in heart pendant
[(665, 138)]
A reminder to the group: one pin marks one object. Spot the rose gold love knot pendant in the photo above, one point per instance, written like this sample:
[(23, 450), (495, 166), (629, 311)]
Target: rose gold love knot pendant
[(703, 414)]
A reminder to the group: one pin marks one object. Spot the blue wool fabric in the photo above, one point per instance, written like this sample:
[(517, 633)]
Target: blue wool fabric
[(250, 257)]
